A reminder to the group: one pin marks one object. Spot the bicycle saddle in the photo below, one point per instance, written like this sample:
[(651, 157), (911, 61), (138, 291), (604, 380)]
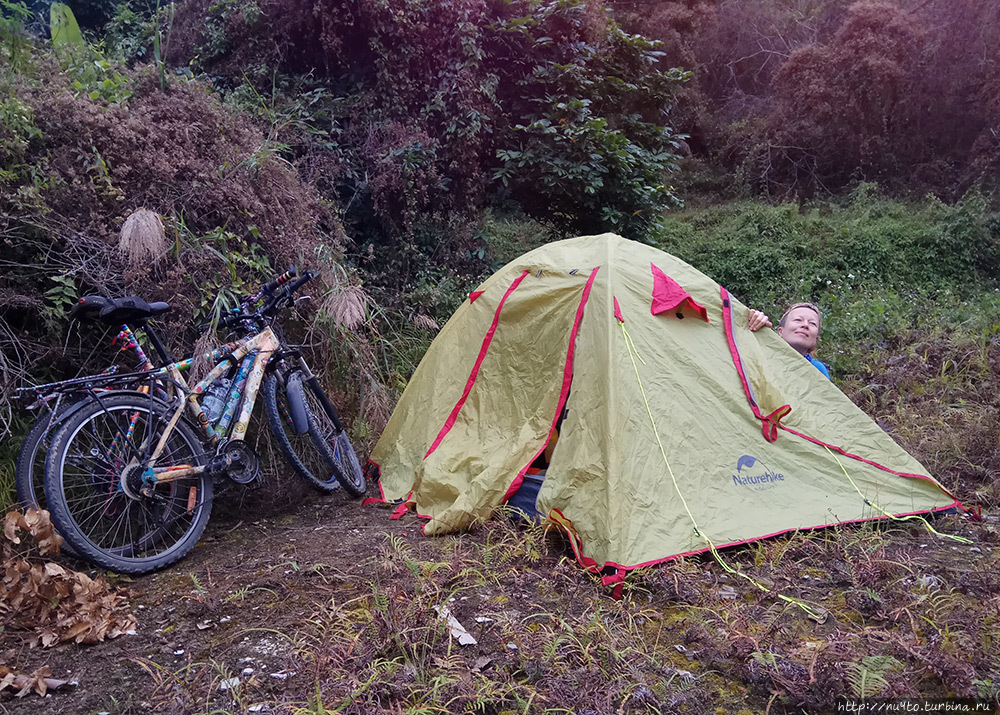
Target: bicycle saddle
[(130, 309), (88, 307)]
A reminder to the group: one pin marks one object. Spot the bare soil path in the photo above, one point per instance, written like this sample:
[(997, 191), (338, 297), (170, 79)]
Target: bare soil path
[(321, 605), (231, 603)]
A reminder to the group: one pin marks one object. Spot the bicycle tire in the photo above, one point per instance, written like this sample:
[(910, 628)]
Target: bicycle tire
[(29, 469), (304, 452), (123, 532), (334, 438)]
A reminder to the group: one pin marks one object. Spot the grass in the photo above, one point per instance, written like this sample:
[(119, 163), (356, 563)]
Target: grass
[(6, 484), (908, 616)]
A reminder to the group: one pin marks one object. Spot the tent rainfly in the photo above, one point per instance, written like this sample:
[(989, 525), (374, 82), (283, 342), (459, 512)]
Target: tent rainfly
[(680, 428)]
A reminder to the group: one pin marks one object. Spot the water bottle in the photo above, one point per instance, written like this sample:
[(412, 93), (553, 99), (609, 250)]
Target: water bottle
[(214, 401)]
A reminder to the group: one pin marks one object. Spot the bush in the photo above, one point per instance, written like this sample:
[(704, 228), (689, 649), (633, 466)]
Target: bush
[(773, 255), (426, 112), (77, 166)]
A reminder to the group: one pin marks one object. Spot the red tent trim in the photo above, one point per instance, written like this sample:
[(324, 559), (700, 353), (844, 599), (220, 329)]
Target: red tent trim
[(618, 311), (487, 339), (771, 422), (564, 392), (589, 564)]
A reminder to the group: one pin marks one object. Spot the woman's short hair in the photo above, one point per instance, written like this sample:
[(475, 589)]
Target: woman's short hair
[(810, 306)]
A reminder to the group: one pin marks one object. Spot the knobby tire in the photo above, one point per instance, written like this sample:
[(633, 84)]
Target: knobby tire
[(131, 534), (319, 456)]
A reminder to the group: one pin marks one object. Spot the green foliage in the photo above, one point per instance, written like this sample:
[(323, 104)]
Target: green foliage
[(60, 297), (773, 254), (765, 658), (98, 79), (589, 152), (987, 688), (245, 266), (878, 268), (93, 75), (577, 173), (161, 43), (417, 115), (867, 677), (217, 34), (15, 47), (17, 131), (128, 34), (509, 235)]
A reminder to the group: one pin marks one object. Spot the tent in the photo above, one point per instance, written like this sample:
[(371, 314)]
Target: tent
[(681, 429)]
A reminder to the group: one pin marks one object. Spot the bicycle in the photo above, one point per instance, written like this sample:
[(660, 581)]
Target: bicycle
[(130, 479)]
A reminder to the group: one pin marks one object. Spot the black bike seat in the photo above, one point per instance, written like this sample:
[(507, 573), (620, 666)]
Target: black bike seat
[(88, 307), (130, 309)]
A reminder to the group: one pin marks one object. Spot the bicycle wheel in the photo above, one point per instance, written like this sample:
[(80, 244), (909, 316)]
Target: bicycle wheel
[(93, 485), (334, 439), (305, 452), (29, 471)]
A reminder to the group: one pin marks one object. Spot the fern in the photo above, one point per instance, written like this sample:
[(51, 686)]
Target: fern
[(766, 658), (867, 678), (380, 600), (198, 587)]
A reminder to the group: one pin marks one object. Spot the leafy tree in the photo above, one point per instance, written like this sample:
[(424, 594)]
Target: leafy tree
[(589, 150), (430, 110)]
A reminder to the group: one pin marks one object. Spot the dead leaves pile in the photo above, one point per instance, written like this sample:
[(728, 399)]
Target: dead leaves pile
[(49, 601)]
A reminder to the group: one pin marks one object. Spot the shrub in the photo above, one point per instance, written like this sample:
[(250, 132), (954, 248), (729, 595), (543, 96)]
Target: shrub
[(425, 109), (773, 255)]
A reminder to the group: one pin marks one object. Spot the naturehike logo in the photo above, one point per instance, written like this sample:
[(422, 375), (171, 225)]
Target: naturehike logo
[(751, 472)]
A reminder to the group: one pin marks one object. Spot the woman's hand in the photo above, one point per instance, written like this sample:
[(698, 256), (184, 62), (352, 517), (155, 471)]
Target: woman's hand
[(758, 320)]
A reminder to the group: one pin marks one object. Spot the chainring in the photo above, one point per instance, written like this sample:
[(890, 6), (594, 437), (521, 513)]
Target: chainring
[(245, 466)]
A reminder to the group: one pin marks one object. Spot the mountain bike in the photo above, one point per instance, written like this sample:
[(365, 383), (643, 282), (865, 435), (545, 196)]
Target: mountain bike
[(55, 402), (130, 478)]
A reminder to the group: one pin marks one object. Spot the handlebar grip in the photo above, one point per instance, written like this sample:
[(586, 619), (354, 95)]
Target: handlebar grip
[(306, 277), (269, 288)]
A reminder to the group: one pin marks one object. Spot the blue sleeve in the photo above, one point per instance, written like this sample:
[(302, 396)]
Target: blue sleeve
[(819, 366)]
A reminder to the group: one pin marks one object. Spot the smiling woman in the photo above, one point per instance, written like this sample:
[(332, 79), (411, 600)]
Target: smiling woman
[(799, 326)]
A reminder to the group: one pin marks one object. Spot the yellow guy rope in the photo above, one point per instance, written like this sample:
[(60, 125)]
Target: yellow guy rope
[(633, 353), (889, 514)]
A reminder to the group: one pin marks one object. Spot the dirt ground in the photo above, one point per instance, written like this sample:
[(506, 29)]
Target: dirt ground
[(289, 594), (230, 601)]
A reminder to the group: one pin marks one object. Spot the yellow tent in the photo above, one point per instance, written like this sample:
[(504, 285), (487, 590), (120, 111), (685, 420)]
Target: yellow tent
[(681, 426)]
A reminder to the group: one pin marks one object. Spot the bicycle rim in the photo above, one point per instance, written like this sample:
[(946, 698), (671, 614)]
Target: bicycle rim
[(348, 471)]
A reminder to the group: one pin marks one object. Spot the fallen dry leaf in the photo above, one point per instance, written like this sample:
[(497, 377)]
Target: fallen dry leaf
[(39, 681)]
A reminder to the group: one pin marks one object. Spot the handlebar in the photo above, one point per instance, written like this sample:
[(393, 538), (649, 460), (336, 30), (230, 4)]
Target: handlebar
[(255, 307), (306, 277)]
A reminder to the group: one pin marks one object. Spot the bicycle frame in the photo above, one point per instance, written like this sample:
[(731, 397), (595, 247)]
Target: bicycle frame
[(252, 354)]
